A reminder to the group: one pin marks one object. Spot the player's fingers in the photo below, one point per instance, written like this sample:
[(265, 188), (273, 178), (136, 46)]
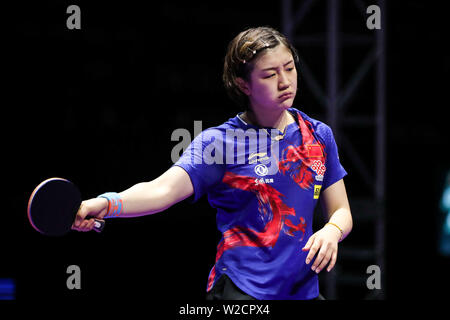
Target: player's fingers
[(318, 260), (89, 224), (81, 215), (333, 261), (77, 224), (312, 252), (309, 243), (84, 226), (78, 219), (76, 228), (325, 260)]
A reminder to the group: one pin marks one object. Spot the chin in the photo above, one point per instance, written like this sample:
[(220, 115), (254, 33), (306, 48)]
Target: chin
[(279, 105), (286, 104)]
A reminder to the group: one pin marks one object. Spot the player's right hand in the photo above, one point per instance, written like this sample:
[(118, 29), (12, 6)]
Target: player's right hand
[(92, 208)]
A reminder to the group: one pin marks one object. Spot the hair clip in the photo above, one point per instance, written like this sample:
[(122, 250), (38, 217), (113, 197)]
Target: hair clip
[(266, 45), (252, 51)]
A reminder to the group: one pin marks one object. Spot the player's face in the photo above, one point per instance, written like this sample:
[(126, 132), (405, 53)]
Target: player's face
[(273, 81)]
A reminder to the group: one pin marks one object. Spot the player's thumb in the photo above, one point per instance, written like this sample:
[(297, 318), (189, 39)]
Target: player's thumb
[(81, 215), (308, 244)]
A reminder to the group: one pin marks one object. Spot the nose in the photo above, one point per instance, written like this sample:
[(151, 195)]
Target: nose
[(283, 81)]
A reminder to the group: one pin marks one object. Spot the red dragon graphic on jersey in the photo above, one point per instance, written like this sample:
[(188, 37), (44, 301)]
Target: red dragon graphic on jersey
[(269, 202)]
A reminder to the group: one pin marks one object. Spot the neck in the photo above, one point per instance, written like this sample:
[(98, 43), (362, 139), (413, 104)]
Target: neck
[(275, 119)]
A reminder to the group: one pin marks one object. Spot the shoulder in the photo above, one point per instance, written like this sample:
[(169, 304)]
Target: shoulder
[(219, 133), (321, 129), (231, 124)]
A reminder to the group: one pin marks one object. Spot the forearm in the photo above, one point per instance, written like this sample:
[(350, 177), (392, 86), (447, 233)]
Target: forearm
[(157, 195), (145, 198), (342, 217), (141, 199)]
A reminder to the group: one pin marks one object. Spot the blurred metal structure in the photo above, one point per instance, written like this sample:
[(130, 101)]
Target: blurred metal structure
[(367, 209)]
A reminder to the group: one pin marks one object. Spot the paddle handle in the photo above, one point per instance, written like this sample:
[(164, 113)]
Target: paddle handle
[(99, 225)]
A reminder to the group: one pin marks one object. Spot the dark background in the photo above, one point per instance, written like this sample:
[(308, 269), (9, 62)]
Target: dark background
[(98, 106)]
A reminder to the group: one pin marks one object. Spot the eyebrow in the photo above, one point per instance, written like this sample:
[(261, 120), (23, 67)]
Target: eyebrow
[(274, 68)]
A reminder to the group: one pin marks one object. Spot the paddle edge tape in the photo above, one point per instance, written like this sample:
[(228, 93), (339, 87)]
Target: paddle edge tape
[(30, 200)]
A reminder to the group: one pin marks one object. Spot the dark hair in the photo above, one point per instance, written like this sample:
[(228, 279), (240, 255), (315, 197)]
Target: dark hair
[(242, 51)]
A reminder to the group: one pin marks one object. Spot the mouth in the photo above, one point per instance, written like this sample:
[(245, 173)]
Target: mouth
[(286, 95)]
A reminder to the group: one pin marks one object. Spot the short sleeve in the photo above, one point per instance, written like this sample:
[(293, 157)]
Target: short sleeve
[(334, 170), (203, 161)]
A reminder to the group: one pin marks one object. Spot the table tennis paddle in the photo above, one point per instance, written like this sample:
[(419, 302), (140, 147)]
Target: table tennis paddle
[(53, 206)]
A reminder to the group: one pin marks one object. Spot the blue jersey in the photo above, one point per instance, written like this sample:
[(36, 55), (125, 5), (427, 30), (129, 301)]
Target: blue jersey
[(265, 190)]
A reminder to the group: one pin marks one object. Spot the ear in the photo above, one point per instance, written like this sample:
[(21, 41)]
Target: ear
[(243, 85)]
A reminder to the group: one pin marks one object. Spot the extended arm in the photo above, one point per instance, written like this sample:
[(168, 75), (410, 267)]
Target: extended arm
[(141, 199), (157, 195)]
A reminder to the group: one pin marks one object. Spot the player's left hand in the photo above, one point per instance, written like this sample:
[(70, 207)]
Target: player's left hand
[(325, 242)]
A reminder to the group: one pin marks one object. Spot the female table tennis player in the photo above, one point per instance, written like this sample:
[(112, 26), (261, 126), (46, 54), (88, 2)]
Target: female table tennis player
[(264, 203)]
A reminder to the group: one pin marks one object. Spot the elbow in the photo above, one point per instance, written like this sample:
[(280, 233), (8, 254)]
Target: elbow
[(159, 199), (164, 197)]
